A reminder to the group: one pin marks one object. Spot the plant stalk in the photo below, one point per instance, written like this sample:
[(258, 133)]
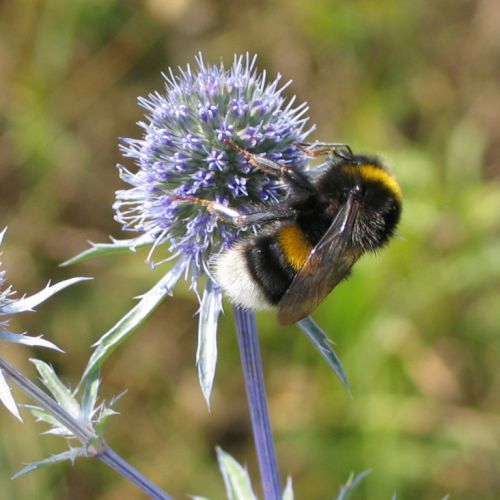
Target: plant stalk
[(87, 437), (251, 361)]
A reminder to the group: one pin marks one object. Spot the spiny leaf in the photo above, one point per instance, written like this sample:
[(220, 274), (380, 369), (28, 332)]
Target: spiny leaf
[(28, 303), (71, 455), (116, 246), (5, 395), (351, 484), (236, 478), (206, 354), (42, 415), (2, 234), (21, 338), (89, 398), (323, 344), (288, 493), (128, 323), (60, 392)]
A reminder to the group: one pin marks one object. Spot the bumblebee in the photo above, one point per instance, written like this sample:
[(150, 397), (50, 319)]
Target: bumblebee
[(308, 243)]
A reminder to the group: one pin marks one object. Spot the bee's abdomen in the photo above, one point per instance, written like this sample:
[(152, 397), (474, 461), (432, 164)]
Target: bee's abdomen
[(269, 266), (256, 273), (233, 273)]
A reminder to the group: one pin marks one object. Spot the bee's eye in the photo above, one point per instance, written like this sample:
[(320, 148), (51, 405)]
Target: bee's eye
[(345, 155), (345, 194)]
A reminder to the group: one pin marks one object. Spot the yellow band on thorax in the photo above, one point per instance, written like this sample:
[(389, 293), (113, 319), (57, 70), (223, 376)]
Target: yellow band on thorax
[(372, 173), (294, 245)]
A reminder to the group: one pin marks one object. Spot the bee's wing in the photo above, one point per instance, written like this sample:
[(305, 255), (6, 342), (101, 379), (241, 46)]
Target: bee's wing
[(328, 263)]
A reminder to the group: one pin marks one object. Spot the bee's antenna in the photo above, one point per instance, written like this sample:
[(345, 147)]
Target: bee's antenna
[(346, 154)]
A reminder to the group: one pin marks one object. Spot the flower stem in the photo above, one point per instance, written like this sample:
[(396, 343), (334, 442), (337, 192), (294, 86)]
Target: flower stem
[(257, 402), (93, 444)]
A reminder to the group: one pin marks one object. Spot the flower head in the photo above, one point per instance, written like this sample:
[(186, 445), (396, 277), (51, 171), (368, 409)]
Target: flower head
[(182, 153)]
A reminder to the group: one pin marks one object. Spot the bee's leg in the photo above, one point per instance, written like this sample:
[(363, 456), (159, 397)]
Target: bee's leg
[(264, 217), (259, 162), (288, 174), (316, 149), (232, 216)]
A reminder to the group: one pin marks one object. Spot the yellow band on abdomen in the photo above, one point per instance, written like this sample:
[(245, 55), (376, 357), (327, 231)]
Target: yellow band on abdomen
[(294, 245)]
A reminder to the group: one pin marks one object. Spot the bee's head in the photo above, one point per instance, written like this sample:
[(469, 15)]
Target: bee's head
[(380, 200), (374, 188)]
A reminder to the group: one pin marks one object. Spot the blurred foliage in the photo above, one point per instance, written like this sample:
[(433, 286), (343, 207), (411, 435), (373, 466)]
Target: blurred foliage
[(417, 327)]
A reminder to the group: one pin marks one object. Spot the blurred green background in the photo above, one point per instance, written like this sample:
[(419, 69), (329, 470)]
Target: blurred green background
[(417, 327)]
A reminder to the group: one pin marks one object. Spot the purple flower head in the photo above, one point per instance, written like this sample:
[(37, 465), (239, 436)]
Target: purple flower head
[(182, 153)]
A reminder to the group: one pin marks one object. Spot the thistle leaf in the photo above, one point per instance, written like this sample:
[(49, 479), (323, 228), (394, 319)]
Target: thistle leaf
[(5, 395), (115, 247), (89, 398), (42, 415), (71, 455), (351, 484), (21, 338), (236, 478), (323, 344), (28, 303), (288, 493), (60, 392), (2, 234), (206, 354), (134, 318)]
